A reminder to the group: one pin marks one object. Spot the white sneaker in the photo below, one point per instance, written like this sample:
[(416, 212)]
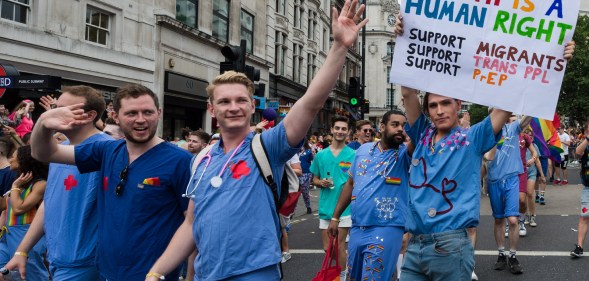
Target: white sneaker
[(474, 277), (285, 257), (533, 221), (522, 229)]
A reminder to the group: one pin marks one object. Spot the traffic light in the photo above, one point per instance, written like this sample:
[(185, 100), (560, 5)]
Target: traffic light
[(234, 58), (366, 106), (354, 92)]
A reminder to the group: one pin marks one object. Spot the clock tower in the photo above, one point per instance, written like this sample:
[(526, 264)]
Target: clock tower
[(380, 39)]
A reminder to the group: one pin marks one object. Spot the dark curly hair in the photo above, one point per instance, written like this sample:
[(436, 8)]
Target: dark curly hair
[(26, 163)]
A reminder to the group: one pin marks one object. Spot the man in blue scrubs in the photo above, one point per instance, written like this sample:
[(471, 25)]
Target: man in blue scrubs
[(232, 218), (140, 203), (444, 193), (68, 216), (377, 191)]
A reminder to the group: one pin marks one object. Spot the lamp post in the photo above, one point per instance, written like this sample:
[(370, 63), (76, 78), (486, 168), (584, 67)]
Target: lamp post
[(390, 50)]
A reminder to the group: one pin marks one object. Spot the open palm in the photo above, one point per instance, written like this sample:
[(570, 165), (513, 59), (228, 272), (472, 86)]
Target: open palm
[(65, 118), (344, 26)]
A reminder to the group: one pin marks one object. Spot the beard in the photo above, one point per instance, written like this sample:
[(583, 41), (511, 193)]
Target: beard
[(393, 140), (128, 133)]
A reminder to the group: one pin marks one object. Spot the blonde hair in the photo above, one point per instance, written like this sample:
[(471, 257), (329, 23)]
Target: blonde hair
[(231, 77)]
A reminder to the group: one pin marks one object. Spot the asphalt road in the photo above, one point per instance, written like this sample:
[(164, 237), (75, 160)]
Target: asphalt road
[(543, 253)]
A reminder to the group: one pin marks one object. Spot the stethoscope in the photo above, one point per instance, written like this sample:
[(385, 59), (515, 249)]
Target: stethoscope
[(216, 181), (395, 155)]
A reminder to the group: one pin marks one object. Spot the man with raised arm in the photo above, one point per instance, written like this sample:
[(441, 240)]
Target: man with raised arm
[(140, 203), (232, 218), (377, 193), (68, 215), (444, 194)]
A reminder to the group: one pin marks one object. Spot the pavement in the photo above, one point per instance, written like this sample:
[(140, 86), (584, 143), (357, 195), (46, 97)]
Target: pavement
[(543, 253)]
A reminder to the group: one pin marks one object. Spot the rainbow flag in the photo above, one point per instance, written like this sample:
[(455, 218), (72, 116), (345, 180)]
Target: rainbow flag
[(546, 137), (500, 143), (392, 180), (152, 181)]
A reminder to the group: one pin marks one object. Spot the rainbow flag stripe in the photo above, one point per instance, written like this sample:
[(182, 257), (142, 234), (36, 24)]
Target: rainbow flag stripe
[(23, 219), (393, 180), (152, 181), (353, 198), (546, 137)]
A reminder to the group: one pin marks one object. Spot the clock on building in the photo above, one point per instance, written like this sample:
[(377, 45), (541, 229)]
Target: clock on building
[(391, 20)]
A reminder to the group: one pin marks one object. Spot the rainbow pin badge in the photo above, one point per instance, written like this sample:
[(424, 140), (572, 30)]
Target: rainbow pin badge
[(393, 180)]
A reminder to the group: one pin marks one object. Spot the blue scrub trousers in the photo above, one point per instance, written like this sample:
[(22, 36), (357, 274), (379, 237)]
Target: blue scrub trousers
[(373, 252), (36, 270)]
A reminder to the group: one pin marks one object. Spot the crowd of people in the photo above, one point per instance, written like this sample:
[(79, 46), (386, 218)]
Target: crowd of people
[(91, 193)]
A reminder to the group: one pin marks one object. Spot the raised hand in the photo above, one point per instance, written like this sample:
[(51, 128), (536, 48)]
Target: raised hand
[(65, 118), (399, 24), (345, 26), (47, 102), (569, 50), (23, 179)]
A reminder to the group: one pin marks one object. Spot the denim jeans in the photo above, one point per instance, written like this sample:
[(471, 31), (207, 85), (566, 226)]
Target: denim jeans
[(439, 257)]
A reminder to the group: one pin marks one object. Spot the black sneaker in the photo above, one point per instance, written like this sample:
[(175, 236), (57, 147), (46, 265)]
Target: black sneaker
[(501, 263), (514, 266), (309, 211), (577, 252)]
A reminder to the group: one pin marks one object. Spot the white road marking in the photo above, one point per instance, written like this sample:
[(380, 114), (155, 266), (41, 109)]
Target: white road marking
[(478, 253)]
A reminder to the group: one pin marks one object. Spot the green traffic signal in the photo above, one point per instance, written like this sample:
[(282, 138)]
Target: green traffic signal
[(354, 101)]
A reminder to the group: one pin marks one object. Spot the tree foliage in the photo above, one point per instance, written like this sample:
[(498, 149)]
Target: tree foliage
[(477, 113), (574, 95)]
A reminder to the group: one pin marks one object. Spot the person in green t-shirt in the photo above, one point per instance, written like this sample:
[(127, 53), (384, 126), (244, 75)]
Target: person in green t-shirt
[(330, 173)]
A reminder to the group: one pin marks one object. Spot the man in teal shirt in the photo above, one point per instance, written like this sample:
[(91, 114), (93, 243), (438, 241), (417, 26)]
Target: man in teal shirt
[(330, 173)]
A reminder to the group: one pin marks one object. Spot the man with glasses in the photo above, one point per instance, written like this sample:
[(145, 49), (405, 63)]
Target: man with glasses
[(363, 134), (140, 203), (197, 140)]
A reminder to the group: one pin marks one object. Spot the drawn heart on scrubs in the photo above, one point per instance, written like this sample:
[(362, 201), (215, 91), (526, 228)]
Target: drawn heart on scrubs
[(584, 210), (239, 169)]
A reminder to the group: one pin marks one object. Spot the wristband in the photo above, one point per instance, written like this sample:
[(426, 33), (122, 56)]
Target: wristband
[(334, 219), (16, 189), (156, 275), (22, 254)]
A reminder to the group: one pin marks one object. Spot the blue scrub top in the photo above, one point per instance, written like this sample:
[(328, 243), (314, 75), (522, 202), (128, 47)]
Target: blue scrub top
[(236, 227), (381, 179), (136, 227), (508, 161), (7, 177), (354, 145), (306, 158), (444, 191), (71, 220)]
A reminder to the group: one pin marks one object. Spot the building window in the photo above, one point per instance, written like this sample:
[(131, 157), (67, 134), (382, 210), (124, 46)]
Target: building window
[(280, 52), (299, 12), (297, 62), (221, 20), (97, 26), (312, 24), (325, 40), (247, 30), (281, 7), (14, 10), (187, 12), (390, 97), (311, 68)]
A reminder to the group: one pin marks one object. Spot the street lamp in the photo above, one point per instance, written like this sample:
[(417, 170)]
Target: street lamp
[(390, 51)]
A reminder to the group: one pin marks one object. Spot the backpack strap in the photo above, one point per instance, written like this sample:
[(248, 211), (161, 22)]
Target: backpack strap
[(263, 163)]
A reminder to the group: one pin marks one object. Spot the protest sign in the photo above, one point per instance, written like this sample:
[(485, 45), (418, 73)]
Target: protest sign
[(501, 53)]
